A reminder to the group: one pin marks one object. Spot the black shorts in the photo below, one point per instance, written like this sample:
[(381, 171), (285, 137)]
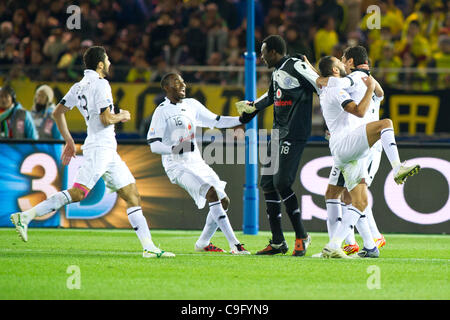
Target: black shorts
[(288, 157)]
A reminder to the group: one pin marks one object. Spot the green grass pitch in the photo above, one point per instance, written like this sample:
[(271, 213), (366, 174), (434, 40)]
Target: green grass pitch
[(111, 267)]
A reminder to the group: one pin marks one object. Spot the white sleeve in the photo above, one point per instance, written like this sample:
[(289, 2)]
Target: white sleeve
[(227, 122), (71, 100), (341, 96), (160, 148), (103, 96), (377, 98), (157, 127), (307, 72), (204, 117)]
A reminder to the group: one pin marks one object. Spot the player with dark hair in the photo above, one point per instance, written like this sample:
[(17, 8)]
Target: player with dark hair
[(172, 134), (291, 92), (93, 98), (350, 144)]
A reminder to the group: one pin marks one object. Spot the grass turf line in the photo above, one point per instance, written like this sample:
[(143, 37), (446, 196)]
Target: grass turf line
[(112, 267)]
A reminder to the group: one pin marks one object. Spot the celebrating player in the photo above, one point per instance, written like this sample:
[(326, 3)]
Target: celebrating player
[(349, 148), (172, 134), (93, 98), (291, 89), (355, 60)]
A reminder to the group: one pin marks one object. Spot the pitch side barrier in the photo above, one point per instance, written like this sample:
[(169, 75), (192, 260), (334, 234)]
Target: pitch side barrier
[(32, 171)]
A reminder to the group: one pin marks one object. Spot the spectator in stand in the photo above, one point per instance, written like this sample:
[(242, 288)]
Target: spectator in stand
[(161, 69), (159, 35), (196, 40), (213, 77), (415, 44), (441, 59), (216, 29), (119, 65), (174, 52), (325, 39), (15, 121), (55, 45), (388, 60), (41, 112), (295, 44), (140, 69), (71, 58), (8, 55)]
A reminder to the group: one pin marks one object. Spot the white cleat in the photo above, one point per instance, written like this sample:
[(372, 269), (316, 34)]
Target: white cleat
[(157, 253), (21, 226), (317, 255), (338, 253), (239, 249), (404, 172)]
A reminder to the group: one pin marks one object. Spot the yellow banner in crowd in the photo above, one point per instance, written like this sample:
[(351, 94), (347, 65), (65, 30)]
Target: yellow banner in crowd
[(142, 99)]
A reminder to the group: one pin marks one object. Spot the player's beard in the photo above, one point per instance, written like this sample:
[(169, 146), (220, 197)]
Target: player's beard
[(342, 72), (105, 71)]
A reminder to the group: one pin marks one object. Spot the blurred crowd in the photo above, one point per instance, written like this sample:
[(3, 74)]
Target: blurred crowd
[(145, 38)]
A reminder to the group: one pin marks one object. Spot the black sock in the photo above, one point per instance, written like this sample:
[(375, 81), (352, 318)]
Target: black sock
[(273, 205), (291, 203)]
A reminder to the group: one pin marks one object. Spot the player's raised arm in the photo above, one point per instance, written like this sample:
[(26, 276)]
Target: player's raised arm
[(108, 118), (360, 109)]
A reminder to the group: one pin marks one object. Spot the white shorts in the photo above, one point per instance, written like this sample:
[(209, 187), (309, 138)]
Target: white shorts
[(371, 165), (103, 163), (349, 153), (351, 147), (197, 178)]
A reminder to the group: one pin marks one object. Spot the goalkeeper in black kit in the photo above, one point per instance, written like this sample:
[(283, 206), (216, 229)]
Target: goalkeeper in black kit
[(291, 90)]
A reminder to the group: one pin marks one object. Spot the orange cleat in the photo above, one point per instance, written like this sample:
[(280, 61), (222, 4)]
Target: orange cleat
[(381, 242), (350, 248)]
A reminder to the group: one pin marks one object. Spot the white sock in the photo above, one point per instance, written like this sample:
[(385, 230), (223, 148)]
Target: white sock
[(139, 224), (350, 239), (55, 202), (349, 219), (372, 224), (364, 231), (334, 213), (208, 231), (390, 147), (219, 215)]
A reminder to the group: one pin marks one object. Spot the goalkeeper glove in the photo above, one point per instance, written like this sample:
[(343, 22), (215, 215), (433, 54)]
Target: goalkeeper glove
[(245, 106), (247, 117)]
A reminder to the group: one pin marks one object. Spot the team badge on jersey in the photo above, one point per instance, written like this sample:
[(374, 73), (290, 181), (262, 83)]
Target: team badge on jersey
[(278, 93)]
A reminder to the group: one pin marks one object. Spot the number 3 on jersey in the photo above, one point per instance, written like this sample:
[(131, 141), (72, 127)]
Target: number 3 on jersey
[(83, 104)]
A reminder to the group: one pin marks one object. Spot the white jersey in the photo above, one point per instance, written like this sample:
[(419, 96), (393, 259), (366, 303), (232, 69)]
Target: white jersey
[(339, 122), (174, 123), (356, 87), (92, 95)]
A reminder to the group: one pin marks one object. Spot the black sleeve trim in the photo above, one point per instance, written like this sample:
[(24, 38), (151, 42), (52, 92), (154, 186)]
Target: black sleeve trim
[(351, 80), (217, 118), (103, 109), (149, 141), (63, 102), (346, 102)]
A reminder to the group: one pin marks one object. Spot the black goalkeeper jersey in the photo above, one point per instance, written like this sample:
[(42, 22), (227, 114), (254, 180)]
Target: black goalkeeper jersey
[(291, 93)]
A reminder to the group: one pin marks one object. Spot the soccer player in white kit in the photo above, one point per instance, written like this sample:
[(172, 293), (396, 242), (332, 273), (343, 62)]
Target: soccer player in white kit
[(349, 148), (93, 98), (172, 134), (353, 59)]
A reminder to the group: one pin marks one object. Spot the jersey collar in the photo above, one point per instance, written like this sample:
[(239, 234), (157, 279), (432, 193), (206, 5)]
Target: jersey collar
[(362, 70), (281, 62), (91, 73)]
